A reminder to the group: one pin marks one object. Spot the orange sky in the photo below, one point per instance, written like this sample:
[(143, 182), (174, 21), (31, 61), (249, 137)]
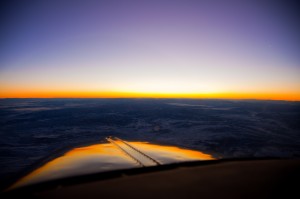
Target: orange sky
[(77, 94)]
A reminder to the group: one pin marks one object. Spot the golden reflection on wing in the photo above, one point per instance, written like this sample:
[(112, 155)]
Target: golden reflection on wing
[(115, 155), (170, 154)]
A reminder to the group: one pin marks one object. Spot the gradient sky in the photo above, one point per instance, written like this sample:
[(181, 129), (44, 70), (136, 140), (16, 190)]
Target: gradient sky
[(177, 48)]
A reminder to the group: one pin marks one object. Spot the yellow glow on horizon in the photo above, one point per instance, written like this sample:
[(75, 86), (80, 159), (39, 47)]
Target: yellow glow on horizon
[(289, 96)]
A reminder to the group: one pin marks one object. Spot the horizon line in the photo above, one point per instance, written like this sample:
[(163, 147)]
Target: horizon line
[(288, 96), (238, 99)]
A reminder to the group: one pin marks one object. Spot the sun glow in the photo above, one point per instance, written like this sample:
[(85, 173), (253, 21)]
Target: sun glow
[(152, 94)]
